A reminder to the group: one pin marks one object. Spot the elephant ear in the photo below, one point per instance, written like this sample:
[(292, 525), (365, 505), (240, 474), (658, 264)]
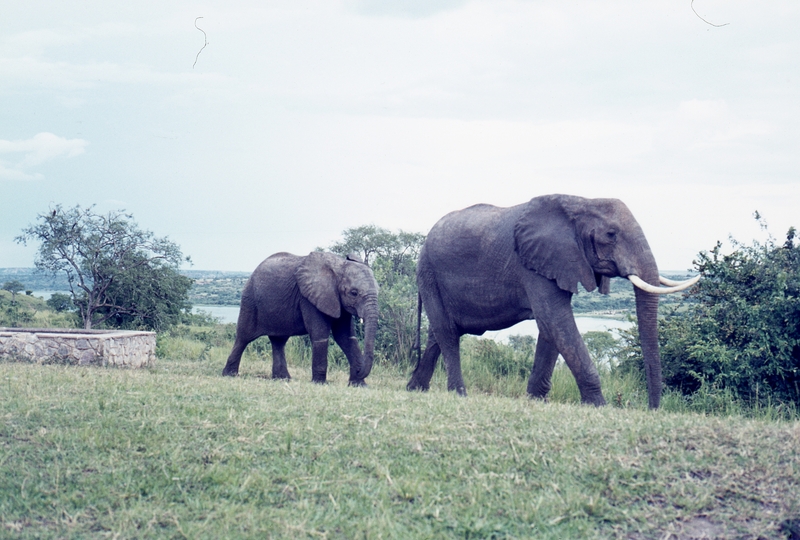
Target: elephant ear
[(353, 256), (317, 278), (547, 241)]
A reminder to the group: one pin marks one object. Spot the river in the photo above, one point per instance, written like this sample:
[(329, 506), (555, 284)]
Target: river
[(225, 314), (585, 324), (229, 314)]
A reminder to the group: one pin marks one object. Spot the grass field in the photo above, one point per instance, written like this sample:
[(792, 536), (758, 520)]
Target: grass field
[(177, 451)]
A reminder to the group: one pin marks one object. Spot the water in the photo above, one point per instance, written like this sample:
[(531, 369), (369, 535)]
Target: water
[(226, 314), (230, 314), (47, 294), (585, 324)]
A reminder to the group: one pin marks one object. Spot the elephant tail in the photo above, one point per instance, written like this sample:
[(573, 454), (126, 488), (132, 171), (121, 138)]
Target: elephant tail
[(417, 345)]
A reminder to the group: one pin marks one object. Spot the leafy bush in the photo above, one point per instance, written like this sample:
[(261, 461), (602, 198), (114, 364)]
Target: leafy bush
[(498, 359), (738, 330), (60, 302)]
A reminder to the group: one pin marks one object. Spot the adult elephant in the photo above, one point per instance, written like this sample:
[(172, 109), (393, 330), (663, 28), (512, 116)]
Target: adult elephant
[(488, 268), (318, 294)]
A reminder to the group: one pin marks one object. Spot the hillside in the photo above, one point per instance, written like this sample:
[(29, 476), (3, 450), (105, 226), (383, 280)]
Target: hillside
[(34, 280), (179, 452), (216, 288), (210, 287)]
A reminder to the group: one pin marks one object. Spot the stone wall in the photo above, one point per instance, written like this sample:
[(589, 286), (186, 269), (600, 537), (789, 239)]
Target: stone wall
[(78, 347)]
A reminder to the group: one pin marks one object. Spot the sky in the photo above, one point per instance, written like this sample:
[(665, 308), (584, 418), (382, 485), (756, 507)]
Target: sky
[(240, 129)]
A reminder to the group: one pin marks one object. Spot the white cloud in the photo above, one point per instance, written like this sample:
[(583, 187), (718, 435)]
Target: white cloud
[(709, 123), (412, 9), (29, 153), (7, 173), (28, 72)]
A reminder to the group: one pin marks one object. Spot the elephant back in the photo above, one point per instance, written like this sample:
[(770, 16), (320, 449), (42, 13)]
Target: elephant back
[(477, 232), (273, 279)]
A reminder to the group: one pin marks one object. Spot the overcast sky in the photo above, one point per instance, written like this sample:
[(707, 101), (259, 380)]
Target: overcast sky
[(300, 119)]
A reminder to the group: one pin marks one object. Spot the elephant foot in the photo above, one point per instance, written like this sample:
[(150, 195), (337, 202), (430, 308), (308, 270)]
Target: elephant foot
[(460, 389), (284, 376), (230, 372), (415, 386), (538, 397), (596, 401), (319, 381), (357, 382)]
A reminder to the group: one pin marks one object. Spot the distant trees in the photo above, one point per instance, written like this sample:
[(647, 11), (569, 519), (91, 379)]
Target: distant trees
[(739, 329), (399, 251), (13, 287), (393, 259), (118, 274)]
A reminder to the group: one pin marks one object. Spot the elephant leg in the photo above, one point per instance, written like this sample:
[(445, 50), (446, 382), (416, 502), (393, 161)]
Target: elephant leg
[(449, 344), (344, 335), (569, 343), (246, 332), (567, 340), (319, 360), (446, 335), (421, 377), (318, 327), (556, 322), (231, 368), (279, 369), (543, 363)]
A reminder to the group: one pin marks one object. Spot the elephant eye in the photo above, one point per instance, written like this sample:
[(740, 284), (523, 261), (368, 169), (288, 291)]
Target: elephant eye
[(353, 292), (611, 236)]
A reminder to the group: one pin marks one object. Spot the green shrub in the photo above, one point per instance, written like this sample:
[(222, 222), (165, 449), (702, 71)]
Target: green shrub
[(60, 302), (498, 359), (737, 333), (602, 347)]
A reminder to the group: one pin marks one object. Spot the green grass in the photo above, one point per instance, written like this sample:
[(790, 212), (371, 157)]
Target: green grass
[(177, 451)]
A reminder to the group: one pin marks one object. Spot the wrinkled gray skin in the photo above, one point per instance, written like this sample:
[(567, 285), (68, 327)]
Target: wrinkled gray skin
[(488, 268), (318, 294)]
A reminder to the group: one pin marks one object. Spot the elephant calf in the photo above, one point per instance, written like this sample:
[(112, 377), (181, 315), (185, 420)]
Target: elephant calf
[(289, 295)]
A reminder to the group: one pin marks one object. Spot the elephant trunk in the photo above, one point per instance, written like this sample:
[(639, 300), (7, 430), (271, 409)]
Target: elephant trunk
[(647, 315), (370, 316)]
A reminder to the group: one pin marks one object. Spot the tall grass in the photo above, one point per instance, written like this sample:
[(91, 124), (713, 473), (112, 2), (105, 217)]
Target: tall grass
[(489, 368)]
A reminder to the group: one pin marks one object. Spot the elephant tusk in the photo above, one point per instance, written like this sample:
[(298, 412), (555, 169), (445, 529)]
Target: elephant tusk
[(672, 283), (675, 285)]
